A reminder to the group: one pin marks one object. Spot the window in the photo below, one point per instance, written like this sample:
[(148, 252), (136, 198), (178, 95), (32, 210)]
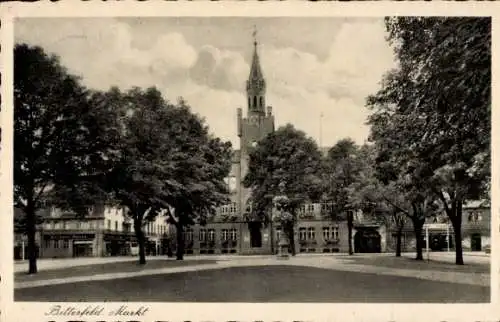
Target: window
[(310, 207), (225, 234), (311, 233), (233, 234), (203, 234), (108, 226), (475, 217), (188, 234), (78, 225), (255, 101), (65, 243), (116, 225), (302, 233), (335, 233), (326, 207), (211, 234), (91, 224), (63, 225), (47, 243), (326, 233), (261, 101), (302, 209)]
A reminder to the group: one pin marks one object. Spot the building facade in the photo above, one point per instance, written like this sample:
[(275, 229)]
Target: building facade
[(105, 231), (476, 231)]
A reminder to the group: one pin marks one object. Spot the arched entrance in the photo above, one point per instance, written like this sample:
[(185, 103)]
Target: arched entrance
[(367, 241), (475, 242)]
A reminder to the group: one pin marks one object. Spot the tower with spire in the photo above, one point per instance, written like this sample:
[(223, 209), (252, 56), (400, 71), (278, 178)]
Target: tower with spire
[(256, 85), (257, 124)]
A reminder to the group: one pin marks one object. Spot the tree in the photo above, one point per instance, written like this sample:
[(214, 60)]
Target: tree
[(439, 102), (168, 164), (202, 175), (57, 133), (342, 166), (383, 202), (142, 175), (402, 190), (288, 161)]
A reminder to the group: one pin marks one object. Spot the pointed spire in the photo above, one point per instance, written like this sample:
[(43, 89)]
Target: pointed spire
[(255, 69)]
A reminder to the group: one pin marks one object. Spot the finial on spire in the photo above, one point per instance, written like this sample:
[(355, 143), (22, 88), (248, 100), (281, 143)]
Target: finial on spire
[(254, 34)]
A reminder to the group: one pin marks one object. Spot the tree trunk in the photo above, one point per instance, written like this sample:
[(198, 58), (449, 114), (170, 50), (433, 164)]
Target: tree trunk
[(417, 228), (169, 248), (139, 234), (180, 242), (457, 228), (31, 232), (349, 231), (399, 234), (291, 238)]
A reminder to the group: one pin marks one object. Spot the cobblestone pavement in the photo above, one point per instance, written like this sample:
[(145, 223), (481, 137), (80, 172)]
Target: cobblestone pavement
[(340, 263)]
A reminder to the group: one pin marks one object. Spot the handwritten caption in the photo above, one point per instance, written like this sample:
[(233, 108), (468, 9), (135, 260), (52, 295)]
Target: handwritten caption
[(96, 310)]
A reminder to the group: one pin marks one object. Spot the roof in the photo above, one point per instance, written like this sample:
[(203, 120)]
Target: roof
[(255, 69), (472, 204)]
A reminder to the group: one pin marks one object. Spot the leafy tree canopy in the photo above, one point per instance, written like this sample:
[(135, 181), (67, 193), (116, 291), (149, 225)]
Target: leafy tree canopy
[(285, 162)]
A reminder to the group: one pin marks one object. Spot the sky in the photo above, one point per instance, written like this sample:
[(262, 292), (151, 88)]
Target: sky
[(317, 70)]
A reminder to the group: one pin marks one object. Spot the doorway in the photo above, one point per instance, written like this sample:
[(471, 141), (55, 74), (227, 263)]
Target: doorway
[(367, 241), (475, 242), (255, 234)]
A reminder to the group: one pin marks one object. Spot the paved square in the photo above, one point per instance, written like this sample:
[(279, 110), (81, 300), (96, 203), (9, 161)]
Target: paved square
[(369, 279)]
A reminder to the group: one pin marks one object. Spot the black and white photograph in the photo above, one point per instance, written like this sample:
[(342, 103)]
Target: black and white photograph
[(251, 159)]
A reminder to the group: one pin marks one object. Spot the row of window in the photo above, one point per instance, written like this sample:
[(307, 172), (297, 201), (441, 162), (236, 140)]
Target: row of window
[(307, 208), (126, 227), (56, 243), (209, 234), (309, 233), (73, 225), (474, 217), (228, 209)]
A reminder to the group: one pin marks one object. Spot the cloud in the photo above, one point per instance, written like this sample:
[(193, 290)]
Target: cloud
[(300, 84), (219, 69), (101, 51)]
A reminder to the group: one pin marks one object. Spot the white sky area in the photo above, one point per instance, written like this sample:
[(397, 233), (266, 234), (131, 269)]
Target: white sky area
[(312, 66)]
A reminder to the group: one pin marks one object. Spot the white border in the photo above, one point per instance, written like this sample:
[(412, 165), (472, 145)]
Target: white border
[(244, 312)]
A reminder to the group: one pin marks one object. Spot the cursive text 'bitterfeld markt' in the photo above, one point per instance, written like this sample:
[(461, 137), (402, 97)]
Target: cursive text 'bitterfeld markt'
[(95, 310)]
